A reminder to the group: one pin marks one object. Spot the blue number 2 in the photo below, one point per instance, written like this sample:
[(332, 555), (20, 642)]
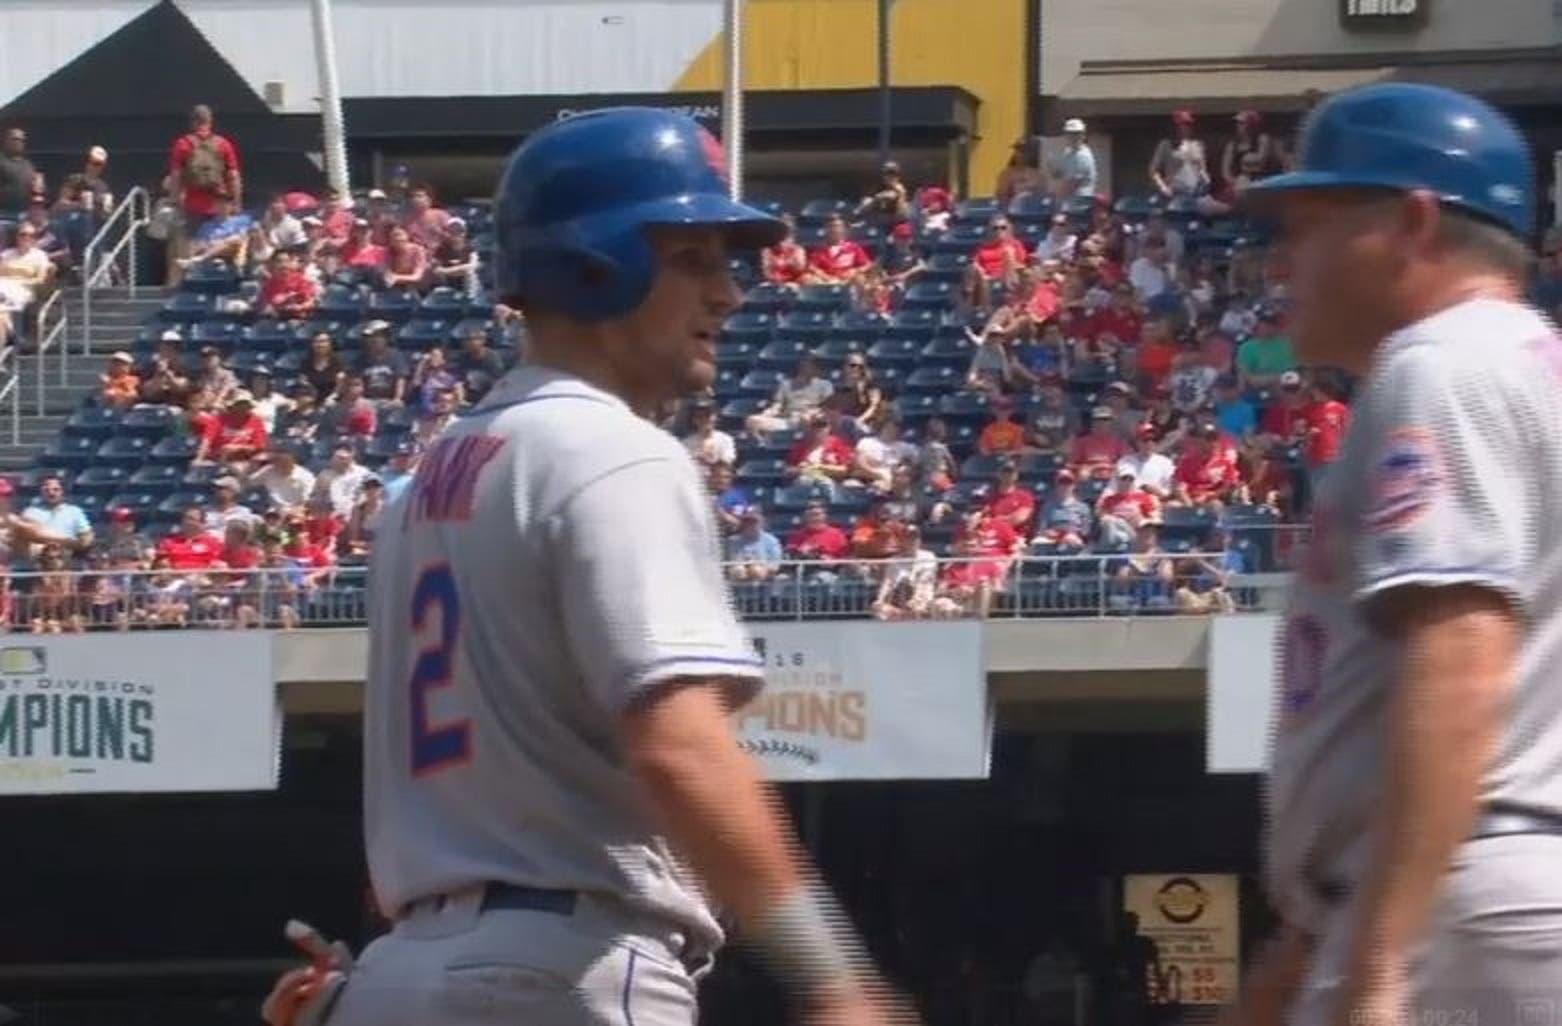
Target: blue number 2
[(436, 747)]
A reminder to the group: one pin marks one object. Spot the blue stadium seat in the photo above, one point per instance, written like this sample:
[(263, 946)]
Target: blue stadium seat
[(266, 336), (743, 272), (967, 493), (1031, 208), (779, 443), (947, 266), (139, 501), (915, 323), (222, 334), (727, 381), (28, 481), (783, 355), (149, 421), (735, 412), (913, 408), (953, 351), (307, 330), (1135, 207), (894, 350), (394, 305), (961, 238), (175, 503), (421, 335), (186, 308), (100, 480), (817, 211), (810, 325), (980, 467), (164, 479), (123, 451), (67, 452), (765, 470), (833, 350), (736, 354), (977, 209), (860, 324), (966, 406), (396, 421), (767, 297), (829, 298), (797, 496), (94, 423), (750, 327), (442, 304), (760, 383), (1039, 467), (342, 303), (211, 278), (381, 448), (1079, 208), (175, 450), (934, 380), (932, 295), (1180, 210)]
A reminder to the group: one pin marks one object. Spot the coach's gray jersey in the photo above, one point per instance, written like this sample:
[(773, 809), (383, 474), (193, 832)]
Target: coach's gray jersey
[(1451, 472), (554, 557)]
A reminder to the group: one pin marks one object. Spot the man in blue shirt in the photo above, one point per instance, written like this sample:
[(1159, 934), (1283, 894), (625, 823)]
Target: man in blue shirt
[(731, 500), (396, 475), (753, 554), (52, 513), (1235, 415), (1074, 167), (222, 237)]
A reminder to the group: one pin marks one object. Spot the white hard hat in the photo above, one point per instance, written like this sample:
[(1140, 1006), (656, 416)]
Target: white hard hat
[(1073, 125)]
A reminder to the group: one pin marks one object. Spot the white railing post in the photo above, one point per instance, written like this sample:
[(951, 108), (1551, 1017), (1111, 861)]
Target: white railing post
[(99, 256)]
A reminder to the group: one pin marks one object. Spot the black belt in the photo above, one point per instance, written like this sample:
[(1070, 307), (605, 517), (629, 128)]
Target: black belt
[(1494, 821), (529, 899)]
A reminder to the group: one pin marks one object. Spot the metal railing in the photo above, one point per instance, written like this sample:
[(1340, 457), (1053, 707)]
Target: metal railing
[(11, 389), (101, 256), (52, 320), (69, 601)]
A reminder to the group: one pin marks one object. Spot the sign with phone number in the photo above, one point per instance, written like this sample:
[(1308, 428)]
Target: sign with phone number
[(1193, 920)]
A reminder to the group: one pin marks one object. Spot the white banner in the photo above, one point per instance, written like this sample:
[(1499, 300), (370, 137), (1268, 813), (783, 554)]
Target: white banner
[(1241, 692), (1193, 920), (138, 713), (870, 701)]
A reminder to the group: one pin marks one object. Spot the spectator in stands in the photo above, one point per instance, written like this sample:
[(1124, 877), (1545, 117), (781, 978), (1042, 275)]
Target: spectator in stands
[(1053, 419), (1066, 522), (453, 262), (287, 293), (1179, 168), (1152, 273), (226, 507), (60, 519), (1166, 422), (728, 500), (1002, 434), (438, 417), (705, 441), (322, 524), (397, 473), (1327, 420), (336, 215), (1059, 242), (1095, 455), (910, 581), (268, 402), (19, 179), (25, 272), (342, 480), (839, 261), (1118, 397), (900, 261), (426, 224), (801, 394), (890, 202), (1022, 175), (96, 191), (877, 535), (1206, 472), (816, 538), (279, 228), (987, 547), (477, 365), (53, 244), (996, 261), (1266, 355), (752, 552), (348, 413), (1039, 355), (357, 536), (285, 482), (1192, 380), (433, 376), (362, 253), (820, 457), (1152, 360), (785, 263), (936, 469), (937, 208), (1011, 501), (301, 420), (323, 367), (212, 376), (192, 546), (124, 547), (1202, 583), (238, 439), (228, 235), (1150, 470), (859, 399), (1250, 141), (1123, 507), (384, 370), (1285, 421), (118, 386), (203, 170), (1073, 168), (1236, 416), (991, 370), (53, 604), (879, 454), (406, 262), (1145, 579)]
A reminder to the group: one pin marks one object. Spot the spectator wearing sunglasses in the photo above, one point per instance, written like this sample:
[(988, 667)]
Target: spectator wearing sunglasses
[(999, 259)]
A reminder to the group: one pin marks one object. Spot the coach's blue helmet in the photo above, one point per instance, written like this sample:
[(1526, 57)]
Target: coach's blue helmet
[(577, 197), (1405, 136)]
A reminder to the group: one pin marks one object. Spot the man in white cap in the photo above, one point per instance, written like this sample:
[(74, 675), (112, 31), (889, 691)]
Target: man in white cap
[(94, 182), (1073, 168)]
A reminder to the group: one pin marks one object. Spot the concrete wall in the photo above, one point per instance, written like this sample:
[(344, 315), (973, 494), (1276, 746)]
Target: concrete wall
[(1073, 31)]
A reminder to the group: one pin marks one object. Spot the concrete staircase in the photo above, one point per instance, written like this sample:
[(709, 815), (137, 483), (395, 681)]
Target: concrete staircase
[(116, 320)]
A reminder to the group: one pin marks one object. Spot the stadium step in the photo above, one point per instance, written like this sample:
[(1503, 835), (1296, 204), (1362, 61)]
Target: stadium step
[(36, 432)]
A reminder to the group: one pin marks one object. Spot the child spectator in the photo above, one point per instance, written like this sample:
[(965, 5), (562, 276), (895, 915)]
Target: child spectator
[(1002, 434), (287, 293), (729, 500), (119, 388), (433, 377)]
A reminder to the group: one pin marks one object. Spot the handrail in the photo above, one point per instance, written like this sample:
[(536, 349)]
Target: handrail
[(93, 269), (11, 389), (47, 336)]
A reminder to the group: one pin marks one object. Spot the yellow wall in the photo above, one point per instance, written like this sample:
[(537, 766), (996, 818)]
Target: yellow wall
[(832, 44)]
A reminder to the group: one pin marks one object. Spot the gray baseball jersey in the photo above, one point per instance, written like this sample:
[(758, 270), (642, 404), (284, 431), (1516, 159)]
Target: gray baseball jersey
[(554, 557), (1451, 472)]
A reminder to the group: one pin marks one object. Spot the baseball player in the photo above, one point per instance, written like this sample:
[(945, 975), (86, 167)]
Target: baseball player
[(1414, 837), (552, 785)]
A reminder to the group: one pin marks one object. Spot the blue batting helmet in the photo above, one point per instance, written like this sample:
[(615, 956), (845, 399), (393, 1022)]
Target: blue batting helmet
[(576, 198), (1404, 136)]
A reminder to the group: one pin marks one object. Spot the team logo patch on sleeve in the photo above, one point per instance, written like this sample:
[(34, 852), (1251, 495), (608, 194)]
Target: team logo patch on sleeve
[(1405, 481)]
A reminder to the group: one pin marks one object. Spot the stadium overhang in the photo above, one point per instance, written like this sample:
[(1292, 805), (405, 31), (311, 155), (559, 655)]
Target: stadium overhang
[(1138, 88)]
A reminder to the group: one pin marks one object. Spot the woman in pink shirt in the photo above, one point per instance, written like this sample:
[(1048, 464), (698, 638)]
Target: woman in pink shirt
[(406, 262)]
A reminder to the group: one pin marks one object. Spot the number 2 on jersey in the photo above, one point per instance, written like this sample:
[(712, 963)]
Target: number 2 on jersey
[(435, 748)]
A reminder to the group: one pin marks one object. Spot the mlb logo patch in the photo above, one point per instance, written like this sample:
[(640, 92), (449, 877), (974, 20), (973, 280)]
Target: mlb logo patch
[(1405, 480)]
